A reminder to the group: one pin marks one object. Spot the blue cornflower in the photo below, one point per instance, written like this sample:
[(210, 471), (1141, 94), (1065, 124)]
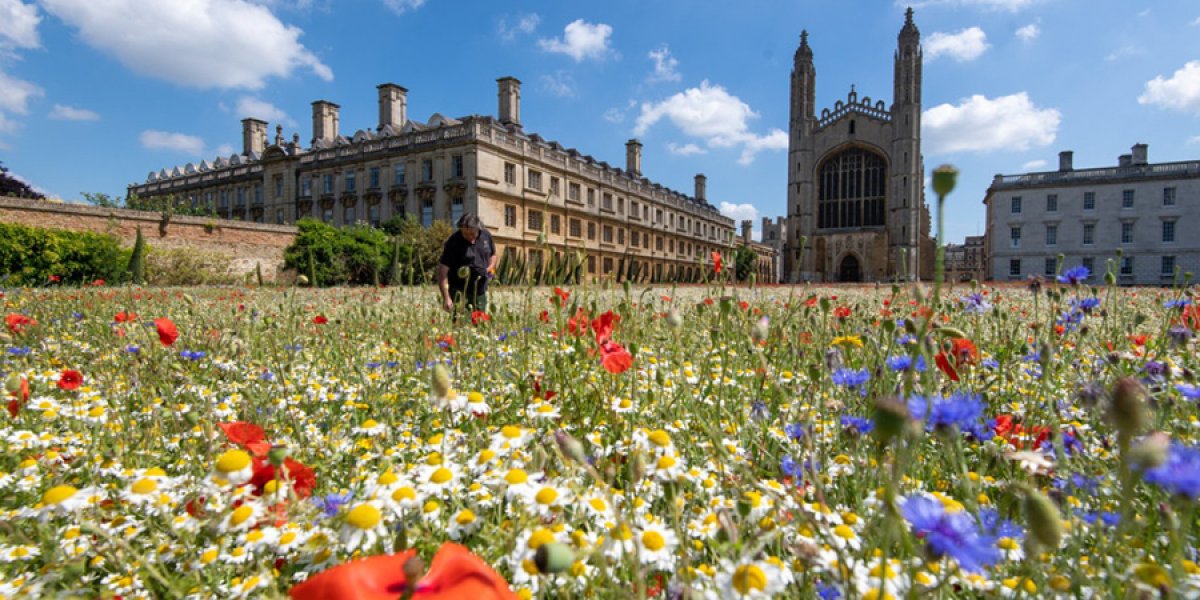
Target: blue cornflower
[(192, 354), (758, 410), (961, 411), (392, 364), (1033, 356), (133, 349), (1155, 370), (1180, 474), (1075, 275), (990, 363), (502, 337), (906, 339), (902, 362), (293, 347), (851, 378), (20, 350), (1087, 305), (827, 591), (374, 365), (788, 466), (950, 534), (1180, 303), (1191, 392), (78, 316), (991, 522), (331, 504), (857, 425), (267, 376), (794, 431), (975, 304), (1071, 444)]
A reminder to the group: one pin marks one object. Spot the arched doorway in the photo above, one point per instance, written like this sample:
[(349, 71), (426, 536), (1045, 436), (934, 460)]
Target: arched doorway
[(850, 270)]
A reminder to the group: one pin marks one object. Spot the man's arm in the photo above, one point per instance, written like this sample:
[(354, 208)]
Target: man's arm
[(494, 258), (443, 283)]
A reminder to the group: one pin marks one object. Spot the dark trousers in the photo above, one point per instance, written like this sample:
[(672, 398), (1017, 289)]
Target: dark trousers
[(469, 299)]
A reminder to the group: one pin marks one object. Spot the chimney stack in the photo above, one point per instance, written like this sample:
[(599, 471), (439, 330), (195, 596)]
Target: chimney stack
[(747, 228), (701, 184), (1066, 160), (325, 121), (633, 157), (1124, 160), (510, 100), (393, 105), (254, 136), (1140, 152)]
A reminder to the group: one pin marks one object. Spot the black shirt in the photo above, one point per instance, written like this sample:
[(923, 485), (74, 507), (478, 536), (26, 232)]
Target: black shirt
[(458, 252)]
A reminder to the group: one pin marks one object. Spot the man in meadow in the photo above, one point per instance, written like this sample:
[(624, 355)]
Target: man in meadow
[(468, 261)]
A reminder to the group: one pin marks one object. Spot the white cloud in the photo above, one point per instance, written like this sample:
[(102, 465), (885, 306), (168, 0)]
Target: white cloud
[(224, 150), (525, 25), (739, 212), (685, 150), (560, 84), (16, 93), (250, 107), (1181, 92), (981, 124), (402, 6), (617, 114), (200, 43), (963, 46), (1009, 5), (713, 115), (18, 24), (664, 66), (165, 140), (1029, 32), (70, 113), (1126, 50), (1196, 22), (581, 40), (1033, 165), (1195, 139)]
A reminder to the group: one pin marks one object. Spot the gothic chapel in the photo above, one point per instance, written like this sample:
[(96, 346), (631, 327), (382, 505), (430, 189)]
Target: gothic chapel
[(856, 178)]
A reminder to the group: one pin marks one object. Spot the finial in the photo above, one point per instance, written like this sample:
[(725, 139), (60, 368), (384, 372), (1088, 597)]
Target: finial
[(278, 134), (908, 16), (852, 88), (804, 37)]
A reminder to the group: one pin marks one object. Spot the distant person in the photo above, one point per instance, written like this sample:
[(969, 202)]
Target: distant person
[(468, 262)]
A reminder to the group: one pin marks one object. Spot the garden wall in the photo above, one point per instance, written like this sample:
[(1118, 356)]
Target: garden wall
[(246, 244)]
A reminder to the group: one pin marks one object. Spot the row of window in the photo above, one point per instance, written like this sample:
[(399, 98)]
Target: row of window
[(1050, 265), (1089, 233), (223, 197), (1089, 200), (535, 220), (636, 211), (374, 177)]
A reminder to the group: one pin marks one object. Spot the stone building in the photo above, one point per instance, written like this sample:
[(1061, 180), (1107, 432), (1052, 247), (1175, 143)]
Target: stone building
[(1141, 209), (774, 234), (856, 177), (534, 195), (766, 266), (964, 262)]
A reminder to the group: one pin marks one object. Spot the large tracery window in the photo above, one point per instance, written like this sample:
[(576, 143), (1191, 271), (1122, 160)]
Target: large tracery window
[(851, 190)]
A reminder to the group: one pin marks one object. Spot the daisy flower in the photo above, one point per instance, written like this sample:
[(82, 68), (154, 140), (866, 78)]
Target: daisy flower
[(234, 466), (656, 546), (462, 524), (363, 525)]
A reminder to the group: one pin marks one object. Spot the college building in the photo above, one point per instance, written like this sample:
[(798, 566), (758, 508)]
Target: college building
[(534, 196), (1136, 214)]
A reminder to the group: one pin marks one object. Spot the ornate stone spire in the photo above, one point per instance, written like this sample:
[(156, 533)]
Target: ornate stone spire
[(909, 33), (804, 52)]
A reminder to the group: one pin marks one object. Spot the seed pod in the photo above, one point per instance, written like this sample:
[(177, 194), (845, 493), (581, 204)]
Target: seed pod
[(553, 557), (441, 381), (944, 179), (570, 447), (13, 384), (1127, 412), (1041, 515), (891, 415), (277, 454)]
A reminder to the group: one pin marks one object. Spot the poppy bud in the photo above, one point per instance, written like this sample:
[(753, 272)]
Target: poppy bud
[(441, 381), (944, 179), (1151, 451), (13, 384), (1127, 412), (192, 418), (570, 447), (553, 557), (891, 416), (951, 332), (277, 454), (302, 280), (414, 570), (1041, 515), (674, 319), (824, 304), (464, 272), (1110, 278)]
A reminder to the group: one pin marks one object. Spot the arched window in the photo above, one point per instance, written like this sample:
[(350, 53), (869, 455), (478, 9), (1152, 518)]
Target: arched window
[(851, 190)]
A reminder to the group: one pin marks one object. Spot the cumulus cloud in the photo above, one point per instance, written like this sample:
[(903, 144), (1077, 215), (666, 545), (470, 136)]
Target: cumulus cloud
[(685, 149), (664, 66), (402, 6), (1034, 165), (560, 84), (18, 24), (165, 140), (70, 113), (1195, 139), (16, 93), (201, 43), (525, 25), (581, 40), (980, 124), (617, 114), (1008, 5), (1181, 92), (966, 45), (224, 150), (251, 107), (1029, 32), (714, 115), (739, 213)]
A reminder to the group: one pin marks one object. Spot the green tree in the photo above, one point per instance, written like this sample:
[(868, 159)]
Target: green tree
[(11, 186), (137, 260), (101, 200), (337, 256), (744, 262)]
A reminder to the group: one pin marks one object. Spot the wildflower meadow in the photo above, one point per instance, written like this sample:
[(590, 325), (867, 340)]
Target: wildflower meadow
[(891, 441)]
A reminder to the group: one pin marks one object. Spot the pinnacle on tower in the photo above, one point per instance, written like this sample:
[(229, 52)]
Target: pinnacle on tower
[(804, 52)]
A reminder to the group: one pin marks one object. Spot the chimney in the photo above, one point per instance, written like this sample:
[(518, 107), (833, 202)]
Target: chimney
[(254, 136), (325, 121), (1124, 160), (1066, 160), (747, 226), (633, 157), (393, 105), (1139, 154), (510, 100), (701, 184)]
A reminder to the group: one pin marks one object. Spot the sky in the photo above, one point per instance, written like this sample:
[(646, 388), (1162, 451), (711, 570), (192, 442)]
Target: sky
[(95, 94)]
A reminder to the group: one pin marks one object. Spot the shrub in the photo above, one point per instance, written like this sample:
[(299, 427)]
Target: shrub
[(187, 266), (338, 256), (30, 255)]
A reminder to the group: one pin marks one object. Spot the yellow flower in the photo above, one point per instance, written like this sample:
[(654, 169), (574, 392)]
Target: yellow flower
[(847, 341)]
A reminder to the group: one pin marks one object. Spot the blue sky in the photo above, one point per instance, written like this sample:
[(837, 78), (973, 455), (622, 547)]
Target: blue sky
[(94, 94)]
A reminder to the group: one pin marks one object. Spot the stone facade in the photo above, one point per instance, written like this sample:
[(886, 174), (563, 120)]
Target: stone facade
[(774, 234), (534, 195), (1139, 209), (766, 265), (247, 245), (856, 206), (965, 262)]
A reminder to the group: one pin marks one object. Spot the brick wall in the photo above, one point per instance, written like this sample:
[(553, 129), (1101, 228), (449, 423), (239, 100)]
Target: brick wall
[(246, 244)]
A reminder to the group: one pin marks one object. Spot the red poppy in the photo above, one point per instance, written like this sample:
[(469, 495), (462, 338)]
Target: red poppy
[(560, 296), (123, 317), (55, 278), (320, 320), (964, 351), (98, 282), (1190, 317), (615, 358), (454, 574), (247, 435), (716, 259), (603, 326), (20, 397), (544, 317), (1138, 340), (301, 475), (841, 312), (1007, 429), (17, 323), (70, 380), (578, 324), (446, 341), (479, 316), (167, 333)]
